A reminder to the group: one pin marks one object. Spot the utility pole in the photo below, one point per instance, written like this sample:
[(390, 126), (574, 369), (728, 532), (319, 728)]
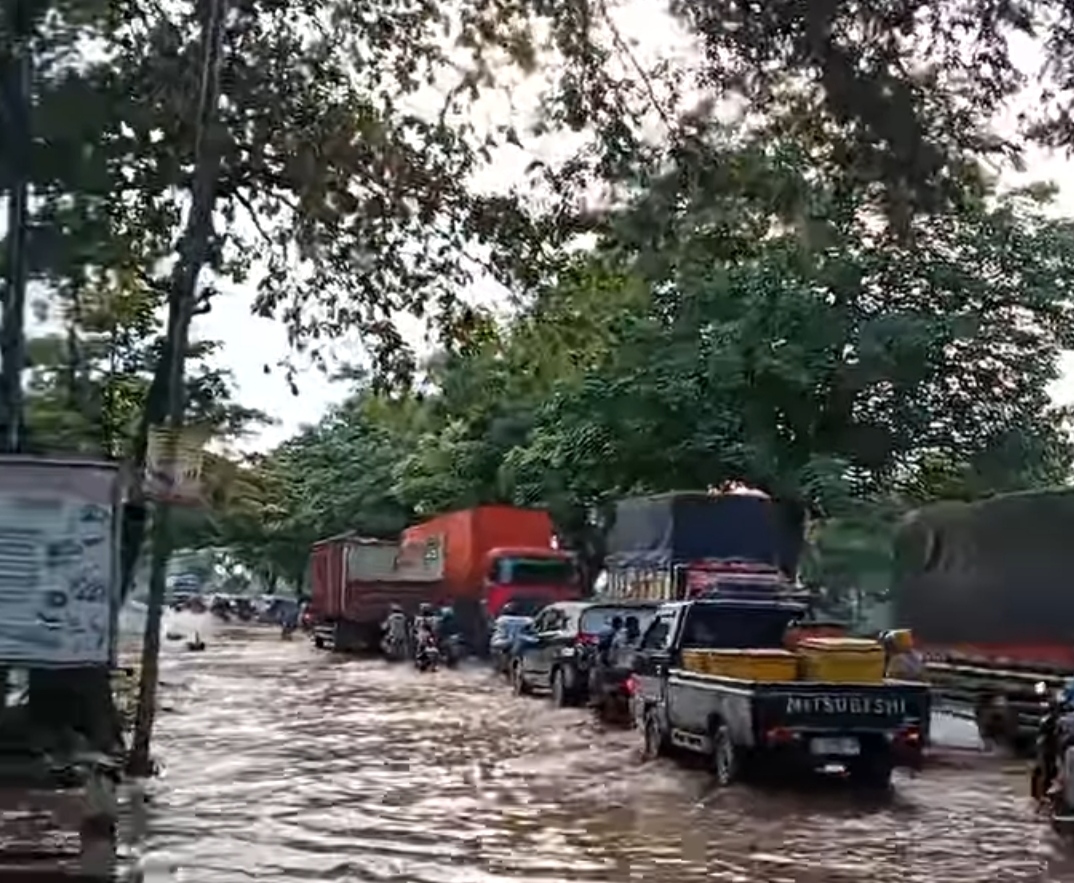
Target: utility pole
[(16, 77), (193, 252)]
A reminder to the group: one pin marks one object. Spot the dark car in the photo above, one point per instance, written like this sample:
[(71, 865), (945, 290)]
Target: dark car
[(505, 632), (564, 644)]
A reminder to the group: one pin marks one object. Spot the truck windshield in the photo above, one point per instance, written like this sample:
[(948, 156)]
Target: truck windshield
[(533, 571), (735, 628)]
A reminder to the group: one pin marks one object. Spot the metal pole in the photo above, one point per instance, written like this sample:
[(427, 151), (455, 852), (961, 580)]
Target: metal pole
[(16, 101)]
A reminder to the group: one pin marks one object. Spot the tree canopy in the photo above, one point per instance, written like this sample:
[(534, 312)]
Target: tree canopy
[(798, 271), (707, 339)]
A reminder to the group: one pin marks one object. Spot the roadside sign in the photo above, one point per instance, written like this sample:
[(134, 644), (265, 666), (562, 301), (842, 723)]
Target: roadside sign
[(58, 561), (173, 464)]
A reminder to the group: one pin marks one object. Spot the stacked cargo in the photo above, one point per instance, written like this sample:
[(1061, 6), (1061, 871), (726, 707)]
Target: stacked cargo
[(841, 660), (770, 666), (833, 660)]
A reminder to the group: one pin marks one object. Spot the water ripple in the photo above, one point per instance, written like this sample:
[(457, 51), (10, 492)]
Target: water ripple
[(285, 764)]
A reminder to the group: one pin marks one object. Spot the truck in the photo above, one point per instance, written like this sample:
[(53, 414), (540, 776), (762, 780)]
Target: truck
[(741, 725), (493, 555), (355, 580), (686, 544), (985, 589)]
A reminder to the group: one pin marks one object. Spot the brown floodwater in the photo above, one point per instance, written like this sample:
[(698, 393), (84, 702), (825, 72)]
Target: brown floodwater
[(283, 763)]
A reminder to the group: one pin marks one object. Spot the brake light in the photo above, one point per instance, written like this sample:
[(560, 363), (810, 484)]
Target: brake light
[(586, 638), (630, 685), (780, 735), (909, 736)]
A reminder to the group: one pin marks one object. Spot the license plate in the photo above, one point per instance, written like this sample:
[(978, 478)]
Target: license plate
[(842, 746)]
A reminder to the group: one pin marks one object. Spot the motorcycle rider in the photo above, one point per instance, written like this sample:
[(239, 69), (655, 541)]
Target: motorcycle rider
[(289, 620), (426, 627), (903, 661), (394, 628), (1056, 730), (448, 631)]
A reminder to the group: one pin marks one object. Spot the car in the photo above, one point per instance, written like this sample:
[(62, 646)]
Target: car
[(560, 649), (505, 630)]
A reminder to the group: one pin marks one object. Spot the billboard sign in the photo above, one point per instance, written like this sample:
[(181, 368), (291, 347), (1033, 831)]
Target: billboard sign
[(59, 590)]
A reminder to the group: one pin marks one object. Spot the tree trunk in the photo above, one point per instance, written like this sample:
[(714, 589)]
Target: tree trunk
[(193, 253)]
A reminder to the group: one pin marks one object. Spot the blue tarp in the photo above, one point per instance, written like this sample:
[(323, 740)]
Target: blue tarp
[(683, 527)]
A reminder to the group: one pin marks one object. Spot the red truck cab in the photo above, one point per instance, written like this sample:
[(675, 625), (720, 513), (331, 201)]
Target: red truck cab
[(528, 579)]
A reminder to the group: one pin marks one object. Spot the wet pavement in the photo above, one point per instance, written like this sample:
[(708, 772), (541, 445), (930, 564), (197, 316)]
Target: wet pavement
[(283, 763)]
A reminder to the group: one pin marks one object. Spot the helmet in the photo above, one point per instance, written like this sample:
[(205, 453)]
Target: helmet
[(425, 609), (1066, 694), (396, 608)]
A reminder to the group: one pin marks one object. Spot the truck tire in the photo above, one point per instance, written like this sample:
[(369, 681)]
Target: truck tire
[(561, 696), (724, 761), (318, 642), (655, 743), (518, 683)]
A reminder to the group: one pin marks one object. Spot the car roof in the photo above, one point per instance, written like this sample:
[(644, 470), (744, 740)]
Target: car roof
[(577, 606), (740, 604)]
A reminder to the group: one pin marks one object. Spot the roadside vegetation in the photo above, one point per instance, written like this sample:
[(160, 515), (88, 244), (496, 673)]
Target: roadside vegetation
[(807, 280)]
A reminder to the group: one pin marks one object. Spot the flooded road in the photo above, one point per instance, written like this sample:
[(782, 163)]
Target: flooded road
[(284, 763)]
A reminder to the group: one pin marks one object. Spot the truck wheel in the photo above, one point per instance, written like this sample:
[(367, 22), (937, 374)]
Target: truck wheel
[(561, 697), (654, 745), (725, 765), (518, 683), (873, 771)]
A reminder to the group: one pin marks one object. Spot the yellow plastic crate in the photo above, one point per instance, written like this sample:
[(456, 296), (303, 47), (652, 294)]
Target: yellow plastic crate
[(747, 665), (694, 660), (842, 660)]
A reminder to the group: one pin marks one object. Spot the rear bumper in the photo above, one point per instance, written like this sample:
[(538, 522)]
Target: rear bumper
[(798, 748)]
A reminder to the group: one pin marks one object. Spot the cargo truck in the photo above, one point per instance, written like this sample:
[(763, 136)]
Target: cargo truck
[(492, 555), (353, 583), (986, 589), (689, 544)]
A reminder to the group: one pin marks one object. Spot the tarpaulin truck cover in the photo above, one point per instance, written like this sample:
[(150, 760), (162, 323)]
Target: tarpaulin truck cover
[(999, 571), (681, 527)]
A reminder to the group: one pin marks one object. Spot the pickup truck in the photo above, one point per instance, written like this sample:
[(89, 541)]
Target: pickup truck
[(865, 730)]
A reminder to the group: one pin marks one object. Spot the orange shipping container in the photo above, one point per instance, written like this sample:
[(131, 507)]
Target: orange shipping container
[(463, 539)]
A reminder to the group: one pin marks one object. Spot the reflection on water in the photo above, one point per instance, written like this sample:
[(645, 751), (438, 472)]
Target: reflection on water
[(282, 763)]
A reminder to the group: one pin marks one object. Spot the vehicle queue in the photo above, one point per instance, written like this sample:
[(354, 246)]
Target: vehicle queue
[(698, 633)]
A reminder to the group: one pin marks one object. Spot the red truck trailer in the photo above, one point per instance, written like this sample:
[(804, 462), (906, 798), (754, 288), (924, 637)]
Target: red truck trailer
[(492, 555), (986, 589), (355, 580)]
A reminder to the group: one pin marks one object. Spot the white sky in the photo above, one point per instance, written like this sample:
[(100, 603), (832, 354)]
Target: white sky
[(250, 342)]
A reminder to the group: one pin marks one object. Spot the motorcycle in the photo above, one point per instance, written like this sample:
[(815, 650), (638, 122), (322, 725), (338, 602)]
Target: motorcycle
[(1055, 755), (427, 654), (394, 649), (452, 651)]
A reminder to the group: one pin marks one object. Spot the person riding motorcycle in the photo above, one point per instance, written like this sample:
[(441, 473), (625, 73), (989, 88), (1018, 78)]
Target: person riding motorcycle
[(1056, 730), (448, 632), (289, 621), (394, 628), (426, 625), (903, 661)]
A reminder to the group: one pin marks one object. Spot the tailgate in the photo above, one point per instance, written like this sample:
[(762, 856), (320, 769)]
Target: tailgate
[(845, 707)]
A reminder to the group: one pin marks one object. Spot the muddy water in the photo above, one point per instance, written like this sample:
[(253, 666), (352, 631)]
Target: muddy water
[(283, 763)]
